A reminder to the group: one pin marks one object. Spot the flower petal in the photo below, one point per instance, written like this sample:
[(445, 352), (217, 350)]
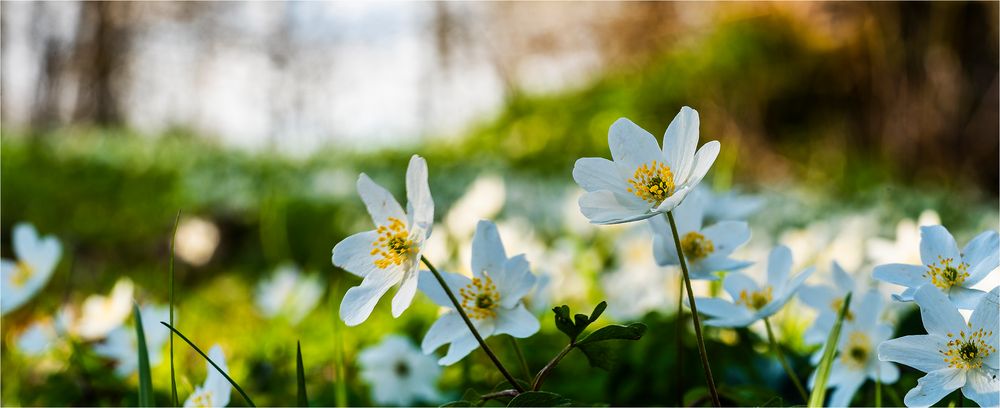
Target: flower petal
[(721, 309), (940, 317), (934, 386), (965, 298), (779, 266), (675, 199), (736, 282), (596, 173), (360, 300), (982, 386), (917, 351), (726, 236), (632, 146), (215, 382), (986, 316), (844, 393), (841, 278), (516, 281), (720, 262), (680, 141), (888, 372), (983, 247), (459, 348), (419, 204), (517, 322), (488, 254), (428, 284), (404, 295), (353, 254), (605, 207), (445, 329), (703, 161), (935, 242), (818, 297), (664, 249), (901, 274), (11, 295), (867, 310), (785, 292), (25, 238), (380, 203)]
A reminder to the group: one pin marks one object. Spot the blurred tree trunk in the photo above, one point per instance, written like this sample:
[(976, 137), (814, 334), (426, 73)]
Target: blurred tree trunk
[(100, 54)]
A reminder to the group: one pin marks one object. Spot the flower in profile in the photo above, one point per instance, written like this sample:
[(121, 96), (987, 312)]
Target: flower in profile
[(399, 374), (22, 278), (216, 389), (706, 249), (288, 293), (752, 301), (643, 179), (122, 345), (827, 301), (954, 353), (390, 254), (945, 267), (102, 314), (492, 298)]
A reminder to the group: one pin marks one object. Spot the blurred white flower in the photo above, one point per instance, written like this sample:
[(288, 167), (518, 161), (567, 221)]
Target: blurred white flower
[(559, 280), (750, 300), (906, 247), (827, 301), (730, 205), (399, 374), (945, 267), (22, 278), (842, 239), (122, 344), (390, 254), (38, 339), (102, 314), (492, 299), (953, 353), (216, 389), (484, 200), (288, 293), (196, 241), (643, 180), (637, 285)]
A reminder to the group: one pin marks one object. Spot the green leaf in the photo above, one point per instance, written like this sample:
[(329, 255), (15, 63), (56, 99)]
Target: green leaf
[(602, 355), (633, 331), (539, 399), (221, 371), (564, 323), (145, 379), (598, 311), (173, 378), (823, 371), (303, 400)]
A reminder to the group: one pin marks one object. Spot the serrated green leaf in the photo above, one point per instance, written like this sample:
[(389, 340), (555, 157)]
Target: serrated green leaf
[(818, 395), (303, 399), (598, 310), (539, 399), (632, 331), (145, 379)]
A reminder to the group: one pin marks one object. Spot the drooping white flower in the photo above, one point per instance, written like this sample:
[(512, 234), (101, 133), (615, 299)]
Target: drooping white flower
[(954, 353), (706, 249), (288, 293), (945, 267), (22, 278), (643, 179), (102, 314), (752, 301), (399, 374), (122, 344), (827, 301), (492, 299), (390, 254), (216, 389)]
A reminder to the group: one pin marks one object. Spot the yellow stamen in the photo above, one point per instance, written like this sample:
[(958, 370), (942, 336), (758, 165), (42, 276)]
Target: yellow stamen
[(755, 300), (839, 303), (652, 182), (480, 298), (393, 245), (858, 351), (202, 399), (22, 273), (944, 275), (696, 247), (968, 350)]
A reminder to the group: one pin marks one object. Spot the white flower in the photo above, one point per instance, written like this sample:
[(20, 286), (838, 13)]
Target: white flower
[(637, 285), (288, 293), (399, 374), (102, 314), (953, 353), (196, 241), (643, 180), (37, 258), (484, 199), (906, 247), (707, 249), (492, 299), (390, 254), (122, 344), (857, 360), (752, 302), (945, 267), (216, 389), (827, 300), (730, 205), (38, 339)]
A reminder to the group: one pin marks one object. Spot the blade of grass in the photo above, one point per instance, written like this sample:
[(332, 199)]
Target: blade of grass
[(301, 375), (823, 371), (145, 380), (221, 371), (173, 378)]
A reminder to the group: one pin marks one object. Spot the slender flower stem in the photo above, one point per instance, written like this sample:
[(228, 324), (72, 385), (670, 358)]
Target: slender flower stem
[(694, 314), (784, 363), (537, 384), (680, 337), (520, 357), (475, 333)]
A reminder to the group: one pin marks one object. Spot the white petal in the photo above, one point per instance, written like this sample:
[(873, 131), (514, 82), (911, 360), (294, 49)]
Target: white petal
[(353, 254), (982, 386), (11, 296), (664, 249), (428, 284), (784, 293), (845, 391), (675, 199), (404, 295), (517, 322), (736, 282), (631, 145), (984, 247), (720, 262), (934, 386), (595, 173), (215, 382), (445, 329), (359, 301), (940, 317), (818, 297), (515, 282), (935, 243), (418, 193), (718, 308), (888, 371), (867, 310), (965, 298), (680, 141), (488, 254), (917, 351), (901, 274), (779, 266), (459, 348), (726, 236), (25, 240), (843, 281), (703, 161), (604, 207), (380, 203), (986, 316)]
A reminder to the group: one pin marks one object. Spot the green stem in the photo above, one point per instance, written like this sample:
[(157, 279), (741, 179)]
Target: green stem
[(221, 371), (694, 314), (520, 357), (878, 393), (475, 333), (680, 339), (540, 378), (784, 363)]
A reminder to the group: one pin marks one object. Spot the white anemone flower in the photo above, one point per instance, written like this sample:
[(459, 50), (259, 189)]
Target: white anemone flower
[(22, 278), (102, 314), (752, 301), (730, 205), (706, 249), (122, 344), (492, 299), (643, 179), (827, 301), (390, 254), (288, 293), (399, 374), (954, 353), (945, 267), (216, 389)]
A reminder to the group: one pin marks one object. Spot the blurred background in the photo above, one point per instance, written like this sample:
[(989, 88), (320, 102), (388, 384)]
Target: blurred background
[(254, 119)]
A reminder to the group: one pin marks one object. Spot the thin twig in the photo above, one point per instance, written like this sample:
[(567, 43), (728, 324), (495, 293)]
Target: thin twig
[(544, 372)]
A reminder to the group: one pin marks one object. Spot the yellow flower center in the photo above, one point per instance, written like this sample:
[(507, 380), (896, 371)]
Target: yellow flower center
[(202, 399), (393, 245), (755, 299), (22, 273), (480, 298), (858, 350), (696, 247), (968, 350), (944, 275), (652, 182), (839, 303)]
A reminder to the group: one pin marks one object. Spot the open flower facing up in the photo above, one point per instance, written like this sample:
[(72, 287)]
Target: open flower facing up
[(945, 267), (399, 374), (827, 300), (216, 389), (643, 179), (288, 293), (102, 314), (37, 258), (752, 301), (706, 249), (122, 345), (953, 353), (390, 254), (492, 299)]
